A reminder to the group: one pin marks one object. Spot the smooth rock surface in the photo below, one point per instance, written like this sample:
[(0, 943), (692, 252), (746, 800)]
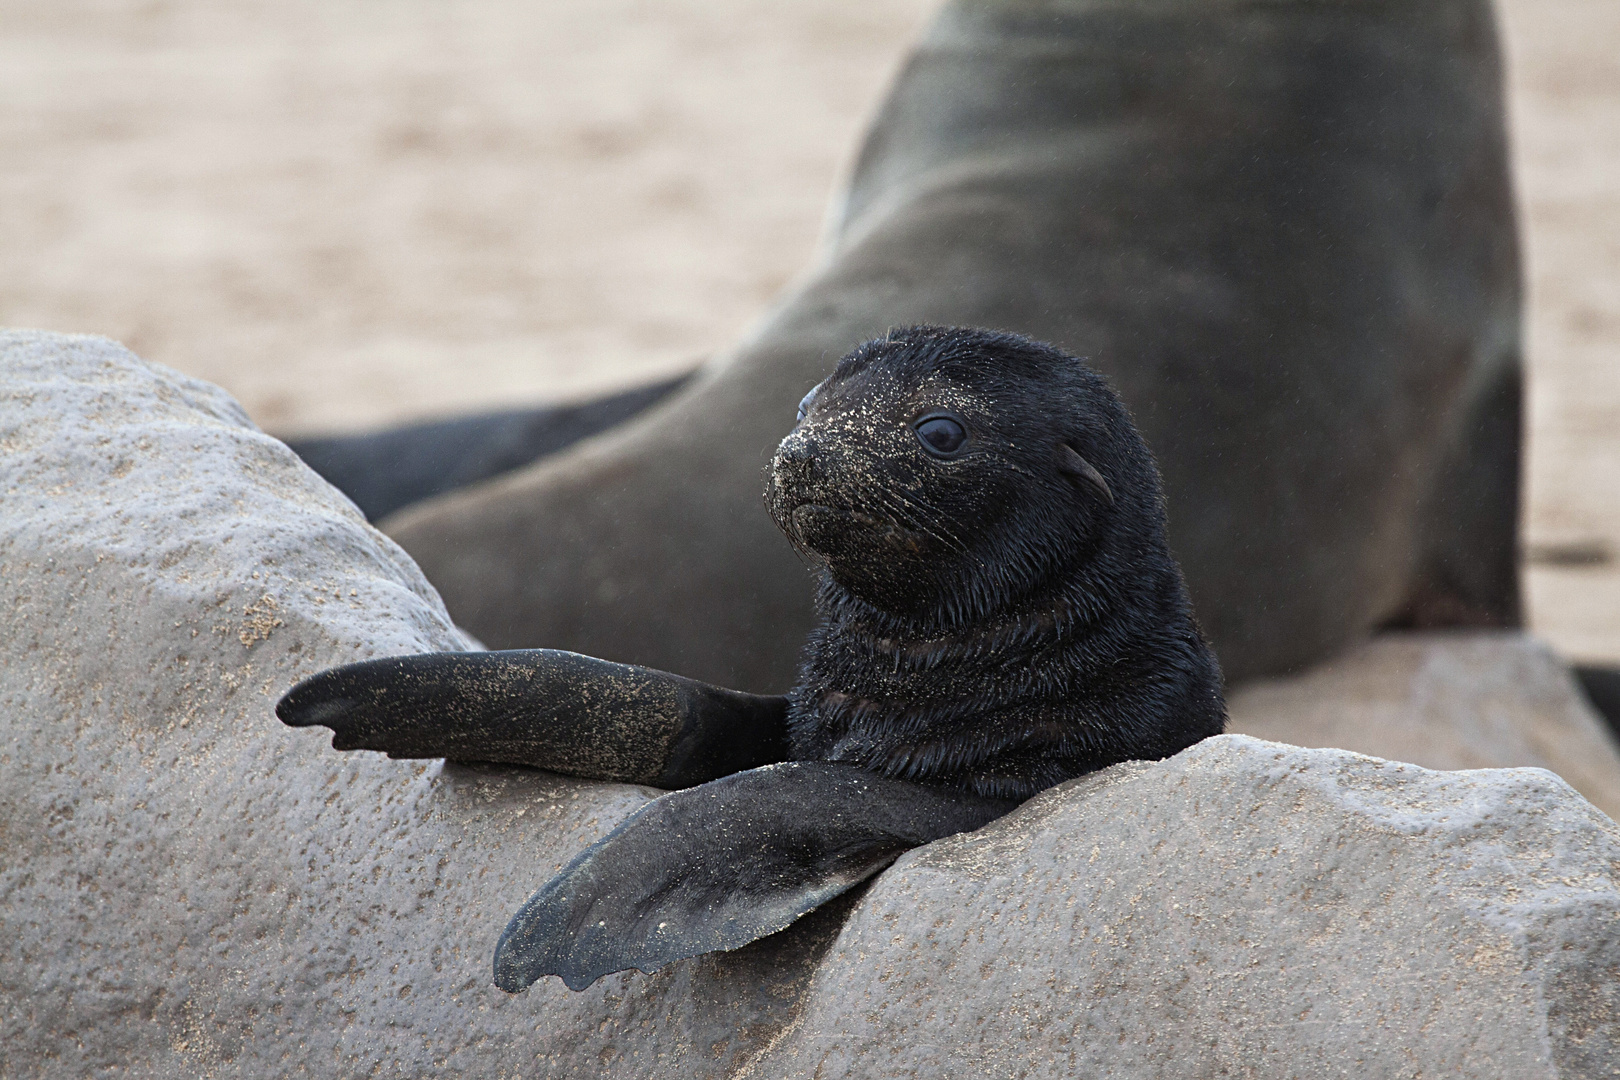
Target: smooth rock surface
[(188, 888), (1242, 909), (1450, 700)]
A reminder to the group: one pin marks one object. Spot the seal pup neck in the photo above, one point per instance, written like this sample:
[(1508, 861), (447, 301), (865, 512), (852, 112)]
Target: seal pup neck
[(935, 636)]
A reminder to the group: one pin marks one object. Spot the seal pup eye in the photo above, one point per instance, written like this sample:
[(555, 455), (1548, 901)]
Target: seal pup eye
[(806, 401), (941, 434)]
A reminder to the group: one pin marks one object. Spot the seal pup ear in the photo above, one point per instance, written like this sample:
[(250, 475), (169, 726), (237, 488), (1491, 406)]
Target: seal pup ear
[(714, 867), (1071, 464)]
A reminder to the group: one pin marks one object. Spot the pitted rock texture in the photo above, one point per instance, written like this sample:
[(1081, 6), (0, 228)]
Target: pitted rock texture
[(1450, 700), (188, 888), (1242, 909)]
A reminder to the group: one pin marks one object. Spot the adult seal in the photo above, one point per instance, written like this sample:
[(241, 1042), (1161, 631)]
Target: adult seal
[(999, 611), (1282, 230)]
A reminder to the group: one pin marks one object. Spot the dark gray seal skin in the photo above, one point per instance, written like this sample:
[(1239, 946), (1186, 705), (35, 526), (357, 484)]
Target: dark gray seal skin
[(1000, 612), (1282, 230), (386, 471)]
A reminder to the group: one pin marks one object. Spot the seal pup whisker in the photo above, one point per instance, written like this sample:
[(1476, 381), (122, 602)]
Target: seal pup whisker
[(910, 499), (899, 513)]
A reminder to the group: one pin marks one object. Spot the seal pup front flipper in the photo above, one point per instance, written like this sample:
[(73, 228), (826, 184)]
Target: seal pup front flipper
[(715, 867), (545, 708)]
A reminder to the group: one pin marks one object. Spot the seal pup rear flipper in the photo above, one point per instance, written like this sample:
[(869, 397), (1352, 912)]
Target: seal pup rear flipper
[(545, 708), (715, 867)]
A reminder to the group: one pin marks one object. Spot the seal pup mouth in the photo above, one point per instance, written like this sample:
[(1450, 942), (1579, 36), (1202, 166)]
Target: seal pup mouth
[(830, 530)]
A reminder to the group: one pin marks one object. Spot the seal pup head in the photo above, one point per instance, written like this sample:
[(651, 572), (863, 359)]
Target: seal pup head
[(948, 473), (999, 607)]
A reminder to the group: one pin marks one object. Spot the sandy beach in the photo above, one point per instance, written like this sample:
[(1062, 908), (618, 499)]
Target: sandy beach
[(350, 214)]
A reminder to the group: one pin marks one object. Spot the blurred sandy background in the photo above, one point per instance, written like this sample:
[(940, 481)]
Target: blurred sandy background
[(353, 212)]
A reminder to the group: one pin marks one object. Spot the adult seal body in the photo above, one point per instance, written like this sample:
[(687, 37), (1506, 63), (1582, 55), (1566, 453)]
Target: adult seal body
[(999, 612), (1282, 231)]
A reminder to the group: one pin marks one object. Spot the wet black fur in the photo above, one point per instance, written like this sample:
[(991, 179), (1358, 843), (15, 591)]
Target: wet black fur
[(991, 622)]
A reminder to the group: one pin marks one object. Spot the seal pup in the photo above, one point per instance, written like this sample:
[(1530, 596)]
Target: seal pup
[(1000, 611)]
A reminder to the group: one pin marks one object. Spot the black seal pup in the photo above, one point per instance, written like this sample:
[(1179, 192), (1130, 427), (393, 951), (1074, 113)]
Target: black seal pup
[(1000, 612)]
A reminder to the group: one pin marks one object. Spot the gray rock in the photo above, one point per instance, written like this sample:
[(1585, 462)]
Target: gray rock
[(1242, 909), (1459, 700), (190, 889)]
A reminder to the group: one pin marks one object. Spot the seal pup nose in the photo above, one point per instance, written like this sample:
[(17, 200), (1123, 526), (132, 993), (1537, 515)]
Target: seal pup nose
[(797, 459), (796, 447)]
